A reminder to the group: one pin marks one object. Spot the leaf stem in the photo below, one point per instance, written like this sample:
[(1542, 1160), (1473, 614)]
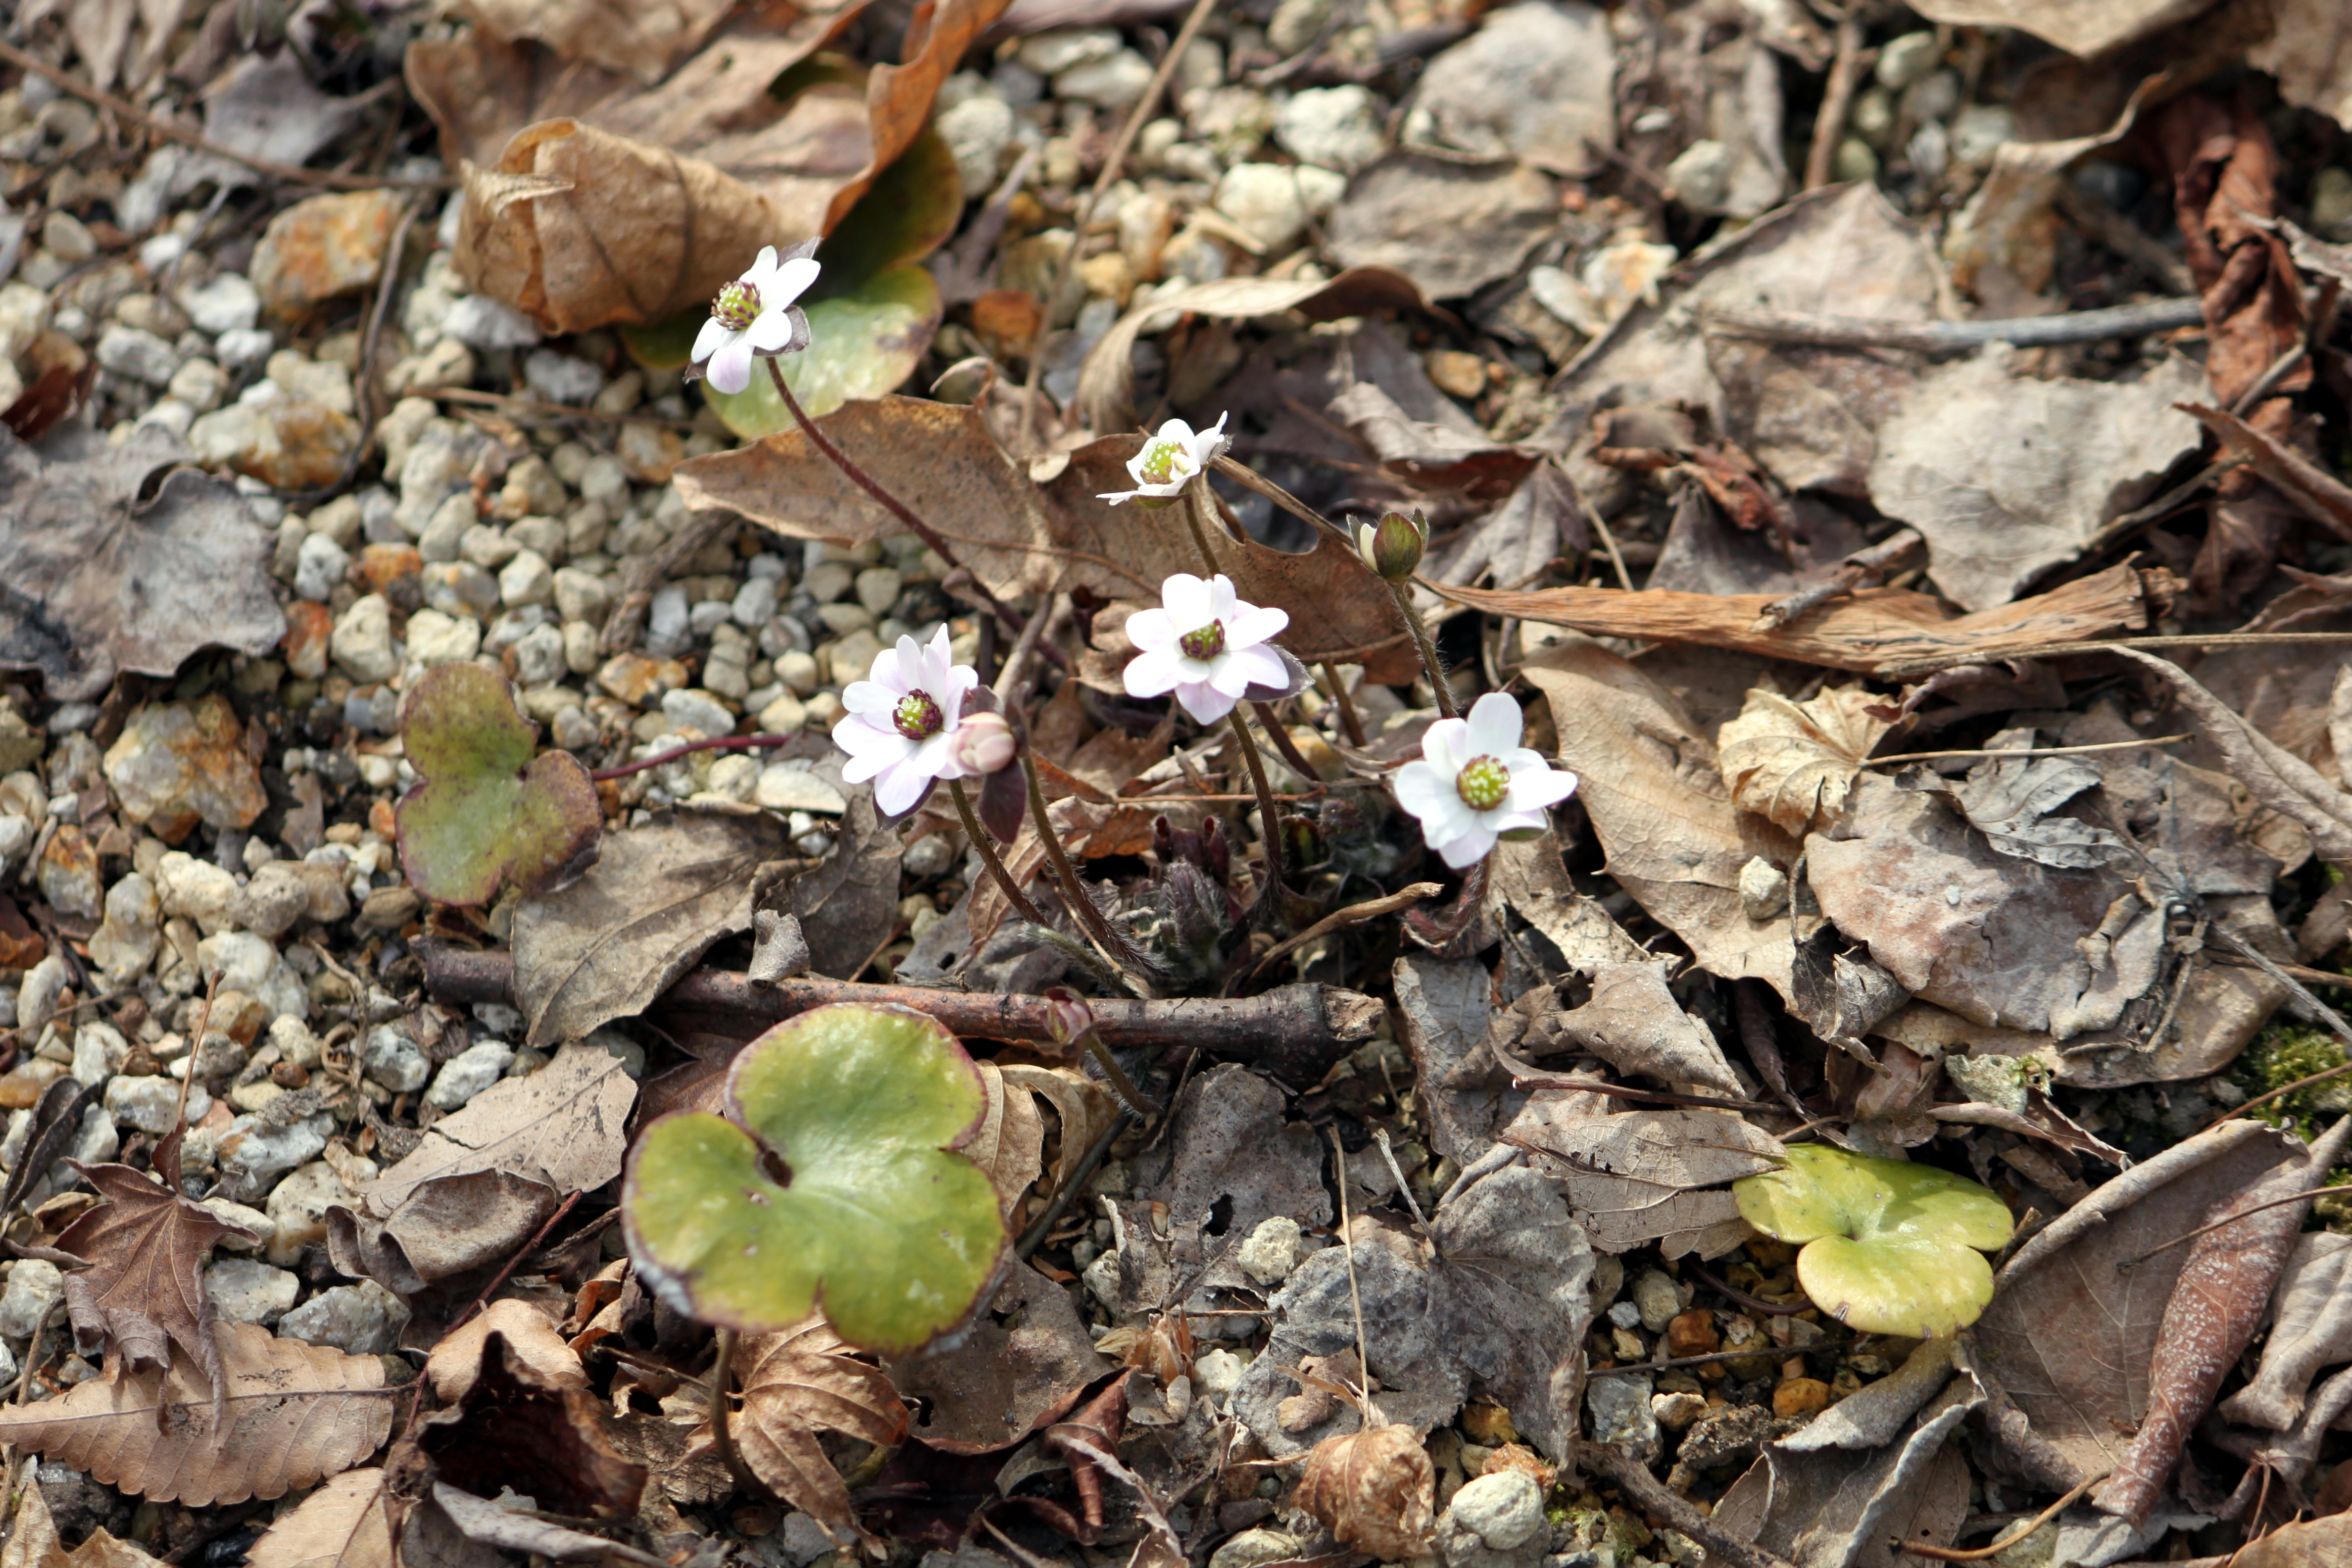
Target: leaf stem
[(1979, 1553), (995, 863), (1270, 829), (1348, 720), (1402, 594), (1074, 892), (1199, 503), (712, 743), (2128, 1264), (1042, 1225), (722, 1441)]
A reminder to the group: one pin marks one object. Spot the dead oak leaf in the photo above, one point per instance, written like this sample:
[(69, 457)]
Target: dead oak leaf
[(1795, 762), (293, 1414), (349, 1522), (144, 1288), (96, 580), (800, 1381)]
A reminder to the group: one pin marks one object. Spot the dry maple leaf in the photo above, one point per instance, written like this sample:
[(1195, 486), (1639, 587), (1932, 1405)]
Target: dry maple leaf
[(144, 1290), (1374, 1489), (295, 1414), (797, 1383), (1794, 762), (347, 1523)]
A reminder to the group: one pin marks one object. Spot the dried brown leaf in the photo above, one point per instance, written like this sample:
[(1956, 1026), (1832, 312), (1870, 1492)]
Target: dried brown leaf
[(2314, 1329), (800, 1381), (102, 583), (563, 1127), (296, 1413), (1639, 1176), (1019, 1365), (1793, 762), (643, 40), (347, 1523), (456, 1361), (1634, 1024), (518, 1427), (1085, 1107), (1009, 1143), (2310, 52), (2078, 27), (33, 1541), (1375, 1491), (144, 1288)]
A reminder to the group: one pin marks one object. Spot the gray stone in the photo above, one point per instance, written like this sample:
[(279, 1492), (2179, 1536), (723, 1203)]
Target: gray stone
[(150, 1103), (125, 941), (977, 132), (1052, 53), (526, 579), (539, 656), (136, 355), (1905, 60), (1333, 127), (195, 889), (35, 1287), (458, 588), (1264, 199), (319, 567), (246, 1219), (298, 1209), (560, 377), (581, 596), (199, 384), (1253, 1547), (393, 1059), (244, 348), (1272, 1250), (1504, 1508), (468, 1073), (1656, 1294), (690, 709), (242, 1290), (481, 322), (247, 963), (362, 641), (1114, 81), (783, 787), (445, 529), (97, 1049), (1620, 1407), (364, 1318), (224, 302), (252, 1153), (435, 639)]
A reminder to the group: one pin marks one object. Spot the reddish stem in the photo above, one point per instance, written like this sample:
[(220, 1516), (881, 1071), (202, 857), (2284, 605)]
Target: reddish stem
[(715, 743)]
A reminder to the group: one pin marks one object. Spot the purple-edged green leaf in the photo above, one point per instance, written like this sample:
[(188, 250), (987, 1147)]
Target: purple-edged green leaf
[(861, 344), (484, 810), (834, 1183)]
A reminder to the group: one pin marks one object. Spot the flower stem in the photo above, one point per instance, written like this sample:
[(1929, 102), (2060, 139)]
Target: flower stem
[(1403, 594), (989, 858), (713, 743), (1199, 516), (1271, 824), (1074, 892), (1130, 1099), (1349, 721), (721, 1374)]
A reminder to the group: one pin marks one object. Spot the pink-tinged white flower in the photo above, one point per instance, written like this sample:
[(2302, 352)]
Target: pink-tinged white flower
[(984, 744), (1205, 645), (755, 315), (1475, 783), (903, 728), (1170, 459)]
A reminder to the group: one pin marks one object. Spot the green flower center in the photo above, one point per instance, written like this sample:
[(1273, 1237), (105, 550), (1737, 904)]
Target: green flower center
[(1207, 642), (1158, 463), (737, 307), (1483, 783), (917, 717)]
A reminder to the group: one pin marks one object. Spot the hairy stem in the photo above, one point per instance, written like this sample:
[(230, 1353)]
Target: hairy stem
[(1200, 516), (1074, 892), (1270, 823), (1403, 594), (1349, 721), (722, 1442), (989, 858)]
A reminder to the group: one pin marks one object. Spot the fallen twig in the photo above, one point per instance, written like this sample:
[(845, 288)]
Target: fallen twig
[(1294, 1031), (2322, 496), (553, 410), (1650, 1495), (1837, 98), (1354, 914), (1959, 337), (1860, 568), (1979, 1553), (2119, 644)]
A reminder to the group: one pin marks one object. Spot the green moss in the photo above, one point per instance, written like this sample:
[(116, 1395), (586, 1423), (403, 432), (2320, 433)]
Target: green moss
[(2280, 1055)]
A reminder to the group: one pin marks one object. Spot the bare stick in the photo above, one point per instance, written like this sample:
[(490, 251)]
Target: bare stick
[(989, 858), (1112, 161), (1355, 1297), (1837, 98), (1042, 1225), (1351, 724), (291, 172), (2025, 752), (2105, 644), (1862, 567), (2232, 1218), (710, 744), (1074, 892), (1354, 915), (1959, 337)]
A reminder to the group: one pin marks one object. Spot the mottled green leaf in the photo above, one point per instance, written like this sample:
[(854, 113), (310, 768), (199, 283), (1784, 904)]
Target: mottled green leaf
[(861, 345), (1891, 1247), (485, 809), (833, 1180)]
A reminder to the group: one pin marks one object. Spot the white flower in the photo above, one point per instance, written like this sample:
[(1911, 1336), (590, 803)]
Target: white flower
[(901, 730), (1170, 458), (1206, 646), (755, 315), (1475, 782)]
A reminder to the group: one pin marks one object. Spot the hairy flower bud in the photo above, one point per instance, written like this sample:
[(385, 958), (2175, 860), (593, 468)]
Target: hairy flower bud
[(1068, 1017), (984, 744), (1392, 546)]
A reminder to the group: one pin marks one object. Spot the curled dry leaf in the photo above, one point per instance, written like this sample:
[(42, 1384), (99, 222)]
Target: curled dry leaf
[(1017, 1366), (1639, 1176), (2014, 801), (295, 1414), (1793, 762), (456, 1361), (2314, 1329), (564, 1127), (643, 40), (33, 1542), (488, 807), (518, 1428), (487, 1523), (346, 1523), (796, 1384), (102, 583), (1009, 1143), (1375, 1489), (2079, 27), (1634, 1024)]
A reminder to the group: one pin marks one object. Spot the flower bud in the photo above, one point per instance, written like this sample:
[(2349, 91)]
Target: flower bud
[(1068, 1017), (984, 743), (1392, 546)]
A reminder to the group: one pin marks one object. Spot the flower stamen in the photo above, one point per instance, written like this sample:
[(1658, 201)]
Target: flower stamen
[(1203, 642), (737, 306), (1483, 783), (1157, 464), (917, 717)]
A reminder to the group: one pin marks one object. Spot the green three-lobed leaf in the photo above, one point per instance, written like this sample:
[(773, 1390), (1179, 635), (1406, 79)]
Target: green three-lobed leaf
[(833, 1180), (1891, 1247), (484, 810)]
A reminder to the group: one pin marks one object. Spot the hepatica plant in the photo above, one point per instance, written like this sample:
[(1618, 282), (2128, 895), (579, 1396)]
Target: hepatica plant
[(484, 810), (833, 1180), (1890, 1248)]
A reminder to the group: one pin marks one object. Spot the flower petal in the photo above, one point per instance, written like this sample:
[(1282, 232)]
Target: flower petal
[(710, 339), (1252, 624), (730, 367), (1151, 630), (763, 268), (1494, 725), (900, 788), (1212, 442), (868, 697), (771, 331), (1203, 701), (1230, 675), (1223, 602), (1151, 673), (1446, 744), (792, 279), (1259, 667), (1175, 430), (1120, 498), (1190, 602), (1537, 788), (1467, 850), (1423, 790)]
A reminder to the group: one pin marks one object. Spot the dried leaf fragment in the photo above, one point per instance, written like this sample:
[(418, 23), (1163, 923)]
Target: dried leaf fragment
[(1794, 762), (484, 810), (1375, 1489), (797, 1383), (346, 1523), (1635, 1024)]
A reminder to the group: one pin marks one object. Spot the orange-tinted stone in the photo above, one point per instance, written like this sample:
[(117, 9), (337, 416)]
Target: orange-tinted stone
[(381, 565), (308, 627), (1797, 1396)]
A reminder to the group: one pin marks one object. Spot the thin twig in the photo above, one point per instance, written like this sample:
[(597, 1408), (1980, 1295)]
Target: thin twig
[(2026, 751), (1608, 543), (1355, 1296), (1979, 1553), (1353, 915), (1074, 892), (989, 858), (1959, 337), (514, 1262), (1827, 1342), (1753, 1303), (1837, 98), (2232, 1218), (124, 108), (1648, 1494), (1108, 176), (2267, 383), (1042, 1225), (2326, 1015)]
